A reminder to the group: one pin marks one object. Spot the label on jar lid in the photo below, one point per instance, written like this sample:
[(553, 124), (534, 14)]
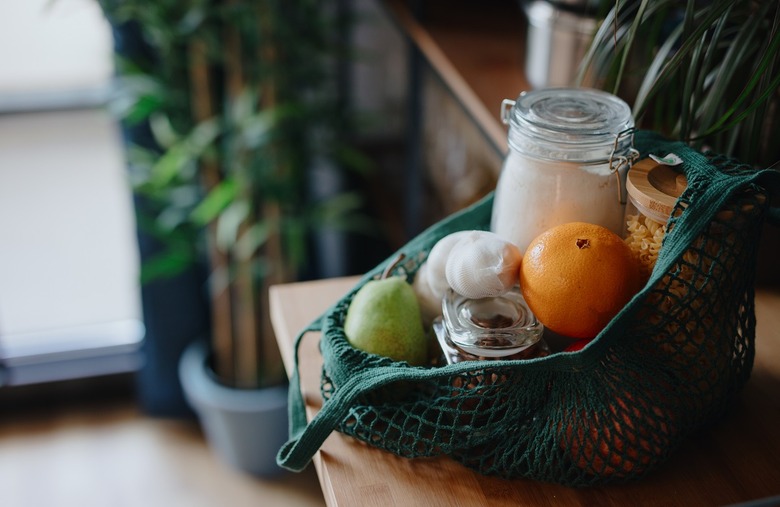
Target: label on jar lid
[(670, 159), (654, 188)]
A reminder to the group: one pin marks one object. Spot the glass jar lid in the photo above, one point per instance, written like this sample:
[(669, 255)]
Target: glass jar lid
[(569, 124), (491, 327)]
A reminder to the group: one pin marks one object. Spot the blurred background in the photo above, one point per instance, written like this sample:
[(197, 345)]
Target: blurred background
[(69, 256), (74, 427)]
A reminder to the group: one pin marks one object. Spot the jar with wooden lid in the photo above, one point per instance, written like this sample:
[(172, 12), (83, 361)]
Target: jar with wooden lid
[(653, 189)]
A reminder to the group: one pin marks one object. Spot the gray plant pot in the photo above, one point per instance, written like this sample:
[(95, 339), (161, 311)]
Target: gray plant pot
[(245, 427)]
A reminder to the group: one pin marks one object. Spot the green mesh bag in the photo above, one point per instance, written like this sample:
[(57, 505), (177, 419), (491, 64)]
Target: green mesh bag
[(669, 363)]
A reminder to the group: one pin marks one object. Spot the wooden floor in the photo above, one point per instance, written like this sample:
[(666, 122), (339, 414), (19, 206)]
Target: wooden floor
[(74, 445)]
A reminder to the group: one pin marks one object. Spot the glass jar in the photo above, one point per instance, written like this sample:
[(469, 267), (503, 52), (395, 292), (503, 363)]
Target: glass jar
[(569, 151), (500, 327), (653, 189)]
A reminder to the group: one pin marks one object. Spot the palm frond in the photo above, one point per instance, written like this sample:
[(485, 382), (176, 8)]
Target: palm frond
[(706, 72)]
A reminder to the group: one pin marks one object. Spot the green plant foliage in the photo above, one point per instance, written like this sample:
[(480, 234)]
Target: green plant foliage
[(261, 145), (242, 100), (707, 72)]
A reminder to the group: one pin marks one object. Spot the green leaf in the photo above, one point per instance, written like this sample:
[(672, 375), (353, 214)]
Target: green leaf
[(133, 109), (295, 239), (257, 129), (727, 71), (169, 165), (632, 32), (143, 108), (653, 72), (767, 59), (243, 106), (193, 19), (252, 239), (706, 74), (167, 264), (338, 206), (215, 201), (759, 101), (163, 131), (181, 158), (691, 76), (355, 160), (229, 224), (709, 17), (204, 134)]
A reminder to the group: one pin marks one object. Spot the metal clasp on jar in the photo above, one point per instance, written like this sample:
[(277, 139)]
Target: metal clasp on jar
[(620, 164), (506, 106)]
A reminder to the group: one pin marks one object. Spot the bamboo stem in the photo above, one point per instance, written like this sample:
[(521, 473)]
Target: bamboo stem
[(222, 327), (274, 249), (247, 358)]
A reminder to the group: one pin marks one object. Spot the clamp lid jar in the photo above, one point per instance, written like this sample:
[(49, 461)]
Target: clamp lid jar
[(569, 151), (653, 190)]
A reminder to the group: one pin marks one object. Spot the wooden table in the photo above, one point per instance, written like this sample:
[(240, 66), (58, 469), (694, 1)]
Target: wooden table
[(738, 460)]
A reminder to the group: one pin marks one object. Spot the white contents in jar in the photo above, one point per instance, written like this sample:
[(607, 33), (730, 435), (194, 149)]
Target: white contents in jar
[(535, 195), (569, 151)]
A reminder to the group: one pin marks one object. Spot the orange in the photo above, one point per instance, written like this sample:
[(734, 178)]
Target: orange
[(576, 277), (619, 438)]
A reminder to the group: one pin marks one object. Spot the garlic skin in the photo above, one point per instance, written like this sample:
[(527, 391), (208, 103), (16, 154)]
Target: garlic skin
[(430, 281), (483, 265), (430, 304), (437, 261)]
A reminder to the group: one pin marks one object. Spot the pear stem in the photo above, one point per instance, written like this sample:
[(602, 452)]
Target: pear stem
[(390, 267)]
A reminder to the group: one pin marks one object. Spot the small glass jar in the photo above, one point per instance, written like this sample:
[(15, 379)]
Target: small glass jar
[(500, 327), (653, 189), (569, 151)]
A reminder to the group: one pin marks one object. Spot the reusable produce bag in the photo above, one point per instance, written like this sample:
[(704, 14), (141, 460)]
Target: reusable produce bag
[(669, 363)]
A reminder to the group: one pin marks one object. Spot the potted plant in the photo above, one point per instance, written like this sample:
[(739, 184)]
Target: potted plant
[(706, 72), (242, 102)]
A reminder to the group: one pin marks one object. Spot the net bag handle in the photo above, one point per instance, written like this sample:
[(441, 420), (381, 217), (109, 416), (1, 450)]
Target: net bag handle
[(296, 406), (305, 439)]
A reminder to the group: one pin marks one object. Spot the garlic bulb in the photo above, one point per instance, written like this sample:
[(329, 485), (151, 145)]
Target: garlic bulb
[(430, 281), (436, 264), (482, 264)]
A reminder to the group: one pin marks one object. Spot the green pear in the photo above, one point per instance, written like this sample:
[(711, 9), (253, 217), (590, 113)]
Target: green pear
[(384, 319)]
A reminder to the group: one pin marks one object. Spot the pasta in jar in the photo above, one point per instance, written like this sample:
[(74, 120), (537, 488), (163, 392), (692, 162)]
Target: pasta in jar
[(652, 193), (644, 236)]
